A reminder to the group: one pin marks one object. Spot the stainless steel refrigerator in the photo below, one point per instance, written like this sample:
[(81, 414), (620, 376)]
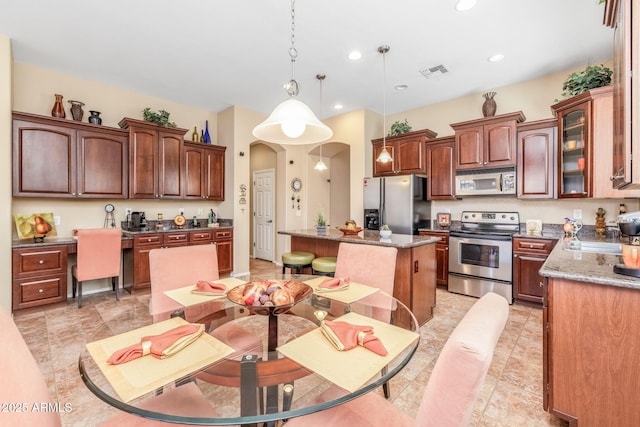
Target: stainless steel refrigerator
[(399, 201)]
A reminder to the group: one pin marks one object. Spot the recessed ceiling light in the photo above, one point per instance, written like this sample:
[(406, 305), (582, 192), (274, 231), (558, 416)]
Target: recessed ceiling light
[(355, 55), (402, 87), (338, 107), (495, 58), (463, 5)]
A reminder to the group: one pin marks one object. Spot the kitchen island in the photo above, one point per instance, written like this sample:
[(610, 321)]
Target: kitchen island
[(591, 341), (415, 278)]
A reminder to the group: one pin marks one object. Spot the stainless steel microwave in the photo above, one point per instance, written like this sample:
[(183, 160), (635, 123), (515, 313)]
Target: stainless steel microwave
[(485, 183)]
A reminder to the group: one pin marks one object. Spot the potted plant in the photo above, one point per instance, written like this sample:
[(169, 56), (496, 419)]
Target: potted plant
[(161, 117), (321, 223), (385, 231), (398, 128), (590, 78)]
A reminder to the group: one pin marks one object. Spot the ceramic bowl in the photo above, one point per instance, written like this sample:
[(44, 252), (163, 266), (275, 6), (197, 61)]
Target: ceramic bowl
[(298, 291)]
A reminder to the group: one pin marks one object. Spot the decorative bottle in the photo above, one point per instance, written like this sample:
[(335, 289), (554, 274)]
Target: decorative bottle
[(207, 138), (58, 108), (202, 136), (194, 135)]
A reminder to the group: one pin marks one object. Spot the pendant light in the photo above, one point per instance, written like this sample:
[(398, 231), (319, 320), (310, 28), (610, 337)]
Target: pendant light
[(292, 122), (384, 156), (320, 166)]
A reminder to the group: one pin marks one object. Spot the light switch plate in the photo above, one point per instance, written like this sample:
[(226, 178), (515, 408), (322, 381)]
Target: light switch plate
[(577, 214), (56, 219)]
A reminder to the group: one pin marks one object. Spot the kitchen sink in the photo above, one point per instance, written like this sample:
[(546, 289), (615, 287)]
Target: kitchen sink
[(593, 247)]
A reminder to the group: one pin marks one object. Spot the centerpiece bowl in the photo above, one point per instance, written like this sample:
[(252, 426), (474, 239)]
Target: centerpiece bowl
[(272, 296), (350, 231)]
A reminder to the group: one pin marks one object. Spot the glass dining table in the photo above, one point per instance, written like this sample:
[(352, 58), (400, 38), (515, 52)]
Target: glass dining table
[(295, 370)]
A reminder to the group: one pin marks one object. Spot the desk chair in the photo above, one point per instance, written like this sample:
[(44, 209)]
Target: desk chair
[(23, 383), (177, 267), (454, 384), (99, 254)]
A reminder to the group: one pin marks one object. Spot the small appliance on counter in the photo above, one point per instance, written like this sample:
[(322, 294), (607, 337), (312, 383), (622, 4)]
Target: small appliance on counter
[(629, 225), (138, 222)]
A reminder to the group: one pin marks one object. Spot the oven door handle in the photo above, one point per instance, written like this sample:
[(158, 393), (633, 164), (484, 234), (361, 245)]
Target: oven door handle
[(495, 237)]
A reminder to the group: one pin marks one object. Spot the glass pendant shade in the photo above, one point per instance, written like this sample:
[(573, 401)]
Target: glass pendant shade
[(384, 156), (320, 166), (292, 122)]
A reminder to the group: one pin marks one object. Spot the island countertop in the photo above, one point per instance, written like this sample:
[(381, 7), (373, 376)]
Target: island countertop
[(369, 237), (588, 267)]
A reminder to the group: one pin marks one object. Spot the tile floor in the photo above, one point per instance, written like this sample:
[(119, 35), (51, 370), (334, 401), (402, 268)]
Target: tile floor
[(510, 396)]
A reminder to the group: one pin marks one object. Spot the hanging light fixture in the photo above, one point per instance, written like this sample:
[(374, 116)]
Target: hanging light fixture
[(320, 166), (384, 156), (292, 122)]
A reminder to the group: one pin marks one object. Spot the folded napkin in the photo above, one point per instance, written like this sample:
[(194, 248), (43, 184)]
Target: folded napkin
[(345, 336), (335, 284), (159, 346), (205, 287)]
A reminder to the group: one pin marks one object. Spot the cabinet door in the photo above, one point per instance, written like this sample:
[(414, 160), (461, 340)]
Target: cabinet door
[(440, 185), (527, 283), (170, 165), (102, 165), (410, 153), (214, 176), (143, 152), (43, 160), (194, 173), (225, 255), (536, 163), (469, 148), (573, 146), (500, 144), (379, 168)]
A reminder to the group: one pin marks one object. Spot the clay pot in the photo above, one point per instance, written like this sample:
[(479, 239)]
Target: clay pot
[(489, 106), (76, 110), (58, 108)]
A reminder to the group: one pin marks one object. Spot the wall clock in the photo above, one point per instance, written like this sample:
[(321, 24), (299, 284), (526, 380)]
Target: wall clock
[(296, 184)]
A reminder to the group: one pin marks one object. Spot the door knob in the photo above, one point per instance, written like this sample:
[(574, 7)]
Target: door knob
[(269, 221)]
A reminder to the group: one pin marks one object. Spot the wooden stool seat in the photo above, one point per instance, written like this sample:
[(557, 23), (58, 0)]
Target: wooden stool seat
[(324, 266), (297, 260)]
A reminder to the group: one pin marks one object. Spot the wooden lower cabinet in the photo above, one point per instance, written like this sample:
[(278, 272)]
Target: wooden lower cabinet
[(528, 256), (442, 256), (138, 260), (39, 276), (590, 349)]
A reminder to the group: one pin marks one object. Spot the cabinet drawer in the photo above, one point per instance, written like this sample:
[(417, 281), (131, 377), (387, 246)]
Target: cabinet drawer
[(533, 245), (27, 263), (444, 237), (201, 236), (223, 234), (40, 289), (170, 238), (147, 240)]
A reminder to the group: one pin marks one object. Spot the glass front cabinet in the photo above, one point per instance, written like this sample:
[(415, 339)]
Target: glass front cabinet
[(574, 155)]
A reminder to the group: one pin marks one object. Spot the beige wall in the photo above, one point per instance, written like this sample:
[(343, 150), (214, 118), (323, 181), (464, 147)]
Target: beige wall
[(6, 218)]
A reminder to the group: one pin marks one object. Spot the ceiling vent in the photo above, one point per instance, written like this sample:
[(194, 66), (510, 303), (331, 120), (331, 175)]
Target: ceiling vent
[(434, 71)]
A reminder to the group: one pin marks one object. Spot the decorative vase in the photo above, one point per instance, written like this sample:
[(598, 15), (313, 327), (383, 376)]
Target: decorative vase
[(76, 110), (385, 234), (95, 118), (489, 106), (207, 138), (321, 229), (58, 108)]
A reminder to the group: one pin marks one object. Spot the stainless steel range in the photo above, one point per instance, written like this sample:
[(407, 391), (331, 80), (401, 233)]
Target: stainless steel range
[(480, 254)]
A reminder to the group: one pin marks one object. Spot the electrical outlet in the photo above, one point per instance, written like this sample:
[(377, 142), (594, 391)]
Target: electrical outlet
[(200, 211), (56, 219), (127, 211), (181, 211), (577, 214)]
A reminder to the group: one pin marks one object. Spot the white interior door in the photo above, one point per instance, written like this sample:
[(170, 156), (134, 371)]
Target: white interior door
[(263, 215)]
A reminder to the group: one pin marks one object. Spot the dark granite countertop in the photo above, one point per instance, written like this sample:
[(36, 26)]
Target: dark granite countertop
[(589, 267), (51, 241), (168, 228), (369, 237)]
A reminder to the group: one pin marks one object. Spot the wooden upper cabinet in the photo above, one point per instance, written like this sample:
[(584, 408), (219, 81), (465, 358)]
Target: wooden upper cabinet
[(488, 142), (155, 168), (63, 158), (625, 19), (440, 169), (536, 150), (407, 151), (204, 171)]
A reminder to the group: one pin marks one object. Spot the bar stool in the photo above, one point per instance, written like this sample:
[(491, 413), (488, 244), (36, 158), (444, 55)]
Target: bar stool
[(296, 260), (324, 266)]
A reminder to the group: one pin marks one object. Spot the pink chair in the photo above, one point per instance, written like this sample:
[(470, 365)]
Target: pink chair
[(99, 254), (367, 264), (23, 384), (172, 268), (454, 384)]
